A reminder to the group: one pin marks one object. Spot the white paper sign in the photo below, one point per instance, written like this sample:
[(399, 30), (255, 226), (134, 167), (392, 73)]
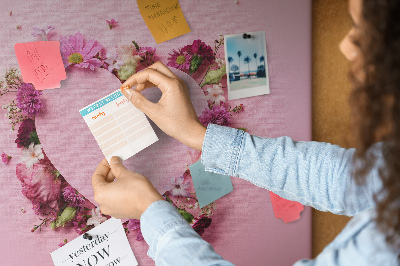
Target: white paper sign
[(118, 126), (108, 247)]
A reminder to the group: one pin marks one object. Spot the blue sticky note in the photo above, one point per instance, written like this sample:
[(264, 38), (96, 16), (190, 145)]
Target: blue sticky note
[(209, 186)]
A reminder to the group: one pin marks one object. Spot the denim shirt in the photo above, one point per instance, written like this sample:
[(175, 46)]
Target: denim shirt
[(312, 173)]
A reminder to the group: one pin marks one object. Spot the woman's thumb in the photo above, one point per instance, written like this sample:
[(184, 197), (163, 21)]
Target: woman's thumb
[(116, 166)]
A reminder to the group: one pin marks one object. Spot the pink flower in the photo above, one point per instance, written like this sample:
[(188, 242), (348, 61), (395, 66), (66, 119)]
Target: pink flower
[(200, 224), (200, 49), (148, 55), (5, 158), (217, 115), (63, 243), (134, 224), (179, 59), (39, 185), (112, 23), (215, 94), (97, 218), (79, 222), (75, 52), (177, 187)]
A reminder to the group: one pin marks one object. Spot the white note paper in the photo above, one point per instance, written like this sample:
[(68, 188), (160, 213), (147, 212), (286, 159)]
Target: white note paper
[(118, 126), (108, 247)]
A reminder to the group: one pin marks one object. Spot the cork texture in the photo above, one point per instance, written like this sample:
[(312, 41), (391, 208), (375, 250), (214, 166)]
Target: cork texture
[(331, 89)]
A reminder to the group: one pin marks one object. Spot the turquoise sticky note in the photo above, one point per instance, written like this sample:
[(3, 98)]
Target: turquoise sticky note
[(209, 186)]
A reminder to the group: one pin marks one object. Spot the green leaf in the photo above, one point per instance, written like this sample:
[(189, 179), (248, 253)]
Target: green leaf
[(67, 215), (195, 63), (242, 128), (168, 200), (214, 76), (56, 173), (188, 217), (136, 45), (34, 137)]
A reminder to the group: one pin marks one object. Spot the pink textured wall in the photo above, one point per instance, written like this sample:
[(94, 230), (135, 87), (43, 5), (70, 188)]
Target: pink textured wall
[(244, 229)]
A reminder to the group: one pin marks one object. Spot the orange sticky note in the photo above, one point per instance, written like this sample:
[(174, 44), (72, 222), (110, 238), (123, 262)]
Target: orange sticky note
[(164, 18), (41, 63)]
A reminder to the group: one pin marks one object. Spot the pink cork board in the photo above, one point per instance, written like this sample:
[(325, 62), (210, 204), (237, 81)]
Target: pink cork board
[(244, 229)]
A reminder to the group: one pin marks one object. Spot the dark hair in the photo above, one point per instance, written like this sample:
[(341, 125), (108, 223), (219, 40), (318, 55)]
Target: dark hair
[(376, 107)]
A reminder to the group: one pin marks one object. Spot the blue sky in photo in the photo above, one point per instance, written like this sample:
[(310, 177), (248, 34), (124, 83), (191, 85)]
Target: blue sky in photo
[(248, 47)]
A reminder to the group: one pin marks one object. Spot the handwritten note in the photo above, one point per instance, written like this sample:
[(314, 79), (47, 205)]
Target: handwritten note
[(209, 186), (41, 63), (118, 126), (108, 246), (164, 18), (284, 209)]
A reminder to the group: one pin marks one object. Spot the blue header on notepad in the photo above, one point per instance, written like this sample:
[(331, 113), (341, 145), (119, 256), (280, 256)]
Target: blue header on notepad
[(102, 102)]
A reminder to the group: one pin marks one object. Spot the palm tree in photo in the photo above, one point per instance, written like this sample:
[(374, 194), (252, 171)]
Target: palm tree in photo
[(230, 60), (247, 60), (239, 54), (255, 58), (262, 59)]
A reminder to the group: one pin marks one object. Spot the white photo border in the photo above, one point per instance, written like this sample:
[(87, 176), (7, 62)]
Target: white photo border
[(247, 92)]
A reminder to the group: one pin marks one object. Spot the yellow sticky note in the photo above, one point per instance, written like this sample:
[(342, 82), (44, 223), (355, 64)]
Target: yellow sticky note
[(164, 18)]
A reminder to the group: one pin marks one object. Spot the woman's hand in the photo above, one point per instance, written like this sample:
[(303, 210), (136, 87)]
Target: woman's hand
[(174, 113), (128, 196)]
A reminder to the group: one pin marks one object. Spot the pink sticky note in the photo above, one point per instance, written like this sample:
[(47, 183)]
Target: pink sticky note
[(284, 209), (41, 63)]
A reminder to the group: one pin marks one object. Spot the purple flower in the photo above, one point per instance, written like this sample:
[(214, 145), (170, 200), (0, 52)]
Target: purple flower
[(200, 49), (200, 224), (217, 115), (148, 55), (72, 197), (25, 129), (42, 32), (177, 187), (179, 59), (134, 224), (5, 158), (28, 99), (75, 52), (112, 23)]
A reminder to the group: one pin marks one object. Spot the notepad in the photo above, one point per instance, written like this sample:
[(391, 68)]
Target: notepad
[(209, 186), (107, 245), (118, 126), (41, 63)]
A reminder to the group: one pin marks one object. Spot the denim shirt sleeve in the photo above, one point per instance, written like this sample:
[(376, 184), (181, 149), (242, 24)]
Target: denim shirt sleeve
[(312, 173), (172, 241)]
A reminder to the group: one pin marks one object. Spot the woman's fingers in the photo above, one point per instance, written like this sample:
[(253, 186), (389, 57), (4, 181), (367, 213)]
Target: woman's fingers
[(159, 80)]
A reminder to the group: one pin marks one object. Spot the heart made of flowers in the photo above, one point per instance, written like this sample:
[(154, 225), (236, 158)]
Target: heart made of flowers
[(70, 146)]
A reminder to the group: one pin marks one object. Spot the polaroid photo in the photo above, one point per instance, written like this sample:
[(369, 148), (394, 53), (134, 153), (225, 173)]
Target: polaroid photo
[(246, 64)]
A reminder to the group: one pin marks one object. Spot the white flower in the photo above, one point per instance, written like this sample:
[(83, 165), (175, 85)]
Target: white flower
[(32, 155), (220, 62), (125, 52), (215, 94), (96, 218), (42, 32), (113, 61)]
